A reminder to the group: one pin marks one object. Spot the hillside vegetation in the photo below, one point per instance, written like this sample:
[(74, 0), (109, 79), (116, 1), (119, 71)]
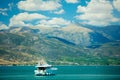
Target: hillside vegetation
[(28, 48)]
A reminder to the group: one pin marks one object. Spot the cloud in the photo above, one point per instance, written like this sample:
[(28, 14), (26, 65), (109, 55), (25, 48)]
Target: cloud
[(54, 22), (59, 12), (35, 19), (36, 5), (10, 6), (3, 26), (25, 19), (97, 13), (3, 11), (72, 1), (116, 4)]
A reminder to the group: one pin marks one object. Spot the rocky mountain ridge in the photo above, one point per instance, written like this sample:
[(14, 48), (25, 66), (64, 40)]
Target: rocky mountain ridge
[(72, 45)]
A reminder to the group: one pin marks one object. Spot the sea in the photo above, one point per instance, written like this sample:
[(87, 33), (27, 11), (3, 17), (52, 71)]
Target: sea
[(62, 73)]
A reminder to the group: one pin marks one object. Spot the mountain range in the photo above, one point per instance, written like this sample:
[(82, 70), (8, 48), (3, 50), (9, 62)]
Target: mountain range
[(74, 44)]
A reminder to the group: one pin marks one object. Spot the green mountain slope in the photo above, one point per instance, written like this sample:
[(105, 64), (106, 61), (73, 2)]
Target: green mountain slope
[(21, 48), (28, 48)]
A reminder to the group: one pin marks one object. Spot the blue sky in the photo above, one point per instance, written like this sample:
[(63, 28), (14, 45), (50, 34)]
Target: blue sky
[(57, 13)]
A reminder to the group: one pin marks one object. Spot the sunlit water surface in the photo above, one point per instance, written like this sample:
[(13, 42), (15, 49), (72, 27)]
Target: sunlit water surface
[(63, 73)]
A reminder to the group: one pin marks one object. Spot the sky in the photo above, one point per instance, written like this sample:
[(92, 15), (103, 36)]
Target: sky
[(58, 13)]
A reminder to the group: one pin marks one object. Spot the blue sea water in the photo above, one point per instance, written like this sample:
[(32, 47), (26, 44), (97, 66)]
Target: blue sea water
[(63, 73)]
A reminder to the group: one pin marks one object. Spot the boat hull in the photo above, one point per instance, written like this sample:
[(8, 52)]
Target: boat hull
[(44, 74), (39, 73)]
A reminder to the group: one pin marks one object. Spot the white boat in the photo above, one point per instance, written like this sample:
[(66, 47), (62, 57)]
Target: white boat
[(44, 69)]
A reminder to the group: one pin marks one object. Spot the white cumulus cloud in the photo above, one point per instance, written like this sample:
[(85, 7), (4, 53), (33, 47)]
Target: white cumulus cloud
[(116, 4), (59, 12), (54, 22), (35, 19), (35, 5), (97, 12), (72, 1), (3, 26), (25, 19)]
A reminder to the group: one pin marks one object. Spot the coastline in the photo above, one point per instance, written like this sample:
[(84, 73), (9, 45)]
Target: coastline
[(52, 65)]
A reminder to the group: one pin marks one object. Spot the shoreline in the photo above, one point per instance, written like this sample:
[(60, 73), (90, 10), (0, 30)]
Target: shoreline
[(58, 65)]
